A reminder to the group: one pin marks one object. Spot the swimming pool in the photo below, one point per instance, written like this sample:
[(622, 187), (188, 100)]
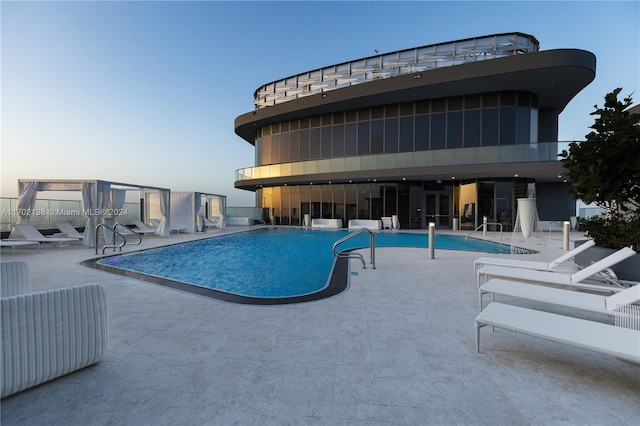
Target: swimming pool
[(268, 265)]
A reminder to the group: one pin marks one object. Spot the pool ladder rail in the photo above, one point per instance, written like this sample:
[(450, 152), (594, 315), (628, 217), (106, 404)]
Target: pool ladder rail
[(114, 231), (351, 255), (484, 226)]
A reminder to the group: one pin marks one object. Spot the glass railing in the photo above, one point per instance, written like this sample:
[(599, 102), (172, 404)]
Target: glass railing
[(525, 153), (380, 66)]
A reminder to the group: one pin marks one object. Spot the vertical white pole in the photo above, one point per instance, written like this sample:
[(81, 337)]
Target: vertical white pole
[(566, 225), (484, 225), (432, 232)]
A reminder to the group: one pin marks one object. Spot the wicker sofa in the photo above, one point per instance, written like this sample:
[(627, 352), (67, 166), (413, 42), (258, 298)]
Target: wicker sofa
[(50, 333)]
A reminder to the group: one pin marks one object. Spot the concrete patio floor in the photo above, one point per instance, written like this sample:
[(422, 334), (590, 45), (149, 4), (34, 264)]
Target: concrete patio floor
[(396, 348)]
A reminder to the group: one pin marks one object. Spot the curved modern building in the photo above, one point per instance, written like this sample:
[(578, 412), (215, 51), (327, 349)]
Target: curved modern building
[(452, 130)]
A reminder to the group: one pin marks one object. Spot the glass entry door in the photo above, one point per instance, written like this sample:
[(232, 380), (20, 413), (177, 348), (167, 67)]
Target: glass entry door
[(437, 209)]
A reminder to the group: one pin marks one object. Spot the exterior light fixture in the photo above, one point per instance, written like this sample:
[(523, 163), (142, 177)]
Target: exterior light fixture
[(416, 76), (324, 95)]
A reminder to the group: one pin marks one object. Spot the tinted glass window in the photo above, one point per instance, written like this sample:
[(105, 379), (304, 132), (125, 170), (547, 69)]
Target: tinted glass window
[(489, 126), (377, 112), (406, 109), (406, 134), (284, 148), (266, 150), (454, 129), (490, 100), (455, 104), (422, 107), (338, 141), (523, 125), (507, 126), (304, 145), (391, 135), (422, 133), (327, 144), (294, 146), (471, 128), (350, 140), (275, 149), (438, 131), (363, 138), (377, 136), (315, 143)]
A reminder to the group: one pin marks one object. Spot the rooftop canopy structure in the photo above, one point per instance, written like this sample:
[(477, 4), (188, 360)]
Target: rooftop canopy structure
[(188, 209), (99, 199)]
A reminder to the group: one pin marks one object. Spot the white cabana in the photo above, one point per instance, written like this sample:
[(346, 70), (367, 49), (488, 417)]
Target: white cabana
[(189, 208), (215, 206), (99, 199)]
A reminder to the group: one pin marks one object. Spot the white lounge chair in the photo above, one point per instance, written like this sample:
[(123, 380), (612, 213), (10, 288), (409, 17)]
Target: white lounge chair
[(575, 279), (30, 233), (561, 297), (18, 243), (528, 264), (141, 228), (68, 229), (600, 337), (123, 229)]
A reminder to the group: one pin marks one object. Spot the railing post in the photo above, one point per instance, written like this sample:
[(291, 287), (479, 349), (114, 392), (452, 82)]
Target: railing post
[(372, 244), (484, 225), (432, 249)]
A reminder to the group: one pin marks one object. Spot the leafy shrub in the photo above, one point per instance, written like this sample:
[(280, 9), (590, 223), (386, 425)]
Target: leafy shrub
[(614, 230)]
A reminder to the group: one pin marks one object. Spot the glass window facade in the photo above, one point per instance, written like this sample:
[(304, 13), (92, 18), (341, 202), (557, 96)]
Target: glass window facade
[(488, 120), (415, 202)]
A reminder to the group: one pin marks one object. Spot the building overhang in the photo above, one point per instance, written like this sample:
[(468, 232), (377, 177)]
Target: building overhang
[(555, 76)]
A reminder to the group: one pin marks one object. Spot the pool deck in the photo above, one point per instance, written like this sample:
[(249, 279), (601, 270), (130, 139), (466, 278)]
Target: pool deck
[(396, 348)]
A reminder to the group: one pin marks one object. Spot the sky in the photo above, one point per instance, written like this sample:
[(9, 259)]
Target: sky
[(146, 93)]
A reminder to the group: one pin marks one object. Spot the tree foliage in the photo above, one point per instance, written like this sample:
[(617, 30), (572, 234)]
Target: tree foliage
[(605, 169)]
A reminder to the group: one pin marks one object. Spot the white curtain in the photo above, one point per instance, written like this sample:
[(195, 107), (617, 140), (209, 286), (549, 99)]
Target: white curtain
[(182, 214), (116, 203), (89, 203), (164, 197), (197, 205), (28, 195), (218, 207)]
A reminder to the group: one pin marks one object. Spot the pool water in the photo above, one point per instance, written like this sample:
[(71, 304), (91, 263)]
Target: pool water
[(270, 262)]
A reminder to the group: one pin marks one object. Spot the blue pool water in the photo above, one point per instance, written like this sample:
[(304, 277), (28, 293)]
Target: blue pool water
[(270, 262)]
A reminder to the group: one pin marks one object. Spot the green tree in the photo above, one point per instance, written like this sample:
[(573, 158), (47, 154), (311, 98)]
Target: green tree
[(605, 170)]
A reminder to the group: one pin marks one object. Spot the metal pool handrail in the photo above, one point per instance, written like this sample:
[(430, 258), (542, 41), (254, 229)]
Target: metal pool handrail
[(481, 226), (114, 245), (372, 245)]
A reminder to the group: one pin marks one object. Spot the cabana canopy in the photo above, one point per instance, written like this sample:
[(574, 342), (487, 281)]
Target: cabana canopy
[(189, 208), (99, 199)]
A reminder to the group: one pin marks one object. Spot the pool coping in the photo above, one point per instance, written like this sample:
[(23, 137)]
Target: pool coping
[(337, 283)]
